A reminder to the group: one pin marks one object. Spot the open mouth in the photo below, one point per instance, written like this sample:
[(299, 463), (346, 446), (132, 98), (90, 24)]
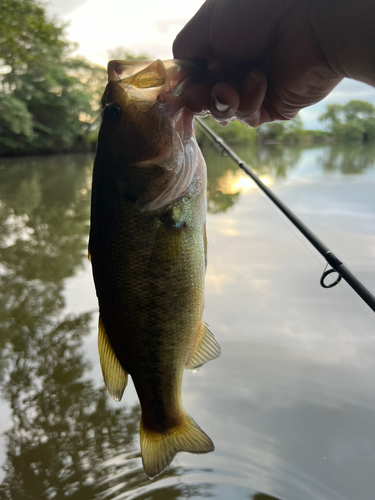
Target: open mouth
[(153, 88)]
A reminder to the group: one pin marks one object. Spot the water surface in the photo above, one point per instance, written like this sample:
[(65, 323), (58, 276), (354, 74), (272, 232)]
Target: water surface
[(290, 404)]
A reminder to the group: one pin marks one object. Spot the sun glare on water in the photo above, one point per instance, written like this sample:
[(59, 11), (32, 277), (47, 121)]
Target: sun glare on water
[(237, 182)]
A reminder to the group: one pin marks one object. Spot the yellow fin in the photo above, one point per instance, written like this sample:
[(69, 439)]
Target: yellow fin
[(159, 449), (206, 349), (115, 377)]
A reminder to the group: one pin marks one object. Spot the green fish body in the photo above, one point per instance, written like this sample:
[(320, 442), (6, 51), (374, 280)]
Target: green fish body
[(148, 252)]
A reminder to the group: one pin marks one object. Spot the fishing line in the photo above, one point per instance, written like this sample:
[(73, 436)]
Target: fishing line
[(336, 265)]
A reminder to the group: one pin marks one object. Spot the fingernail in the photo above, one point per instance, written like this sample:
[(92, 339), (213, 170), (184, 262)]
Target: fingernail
[(224, 124), (252, 81), (220, 106)]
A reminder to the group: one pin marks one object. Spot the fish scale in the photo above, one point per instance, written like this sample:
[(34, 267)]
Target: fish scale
[(147, 247)]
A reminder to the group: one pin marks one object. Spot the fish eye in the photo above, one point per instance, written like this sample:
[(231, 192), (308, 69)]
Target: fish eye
[(112, 112)]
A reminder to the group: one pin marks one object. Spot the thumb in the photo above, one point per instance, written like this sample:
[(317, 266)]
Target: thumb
[(193, 40)]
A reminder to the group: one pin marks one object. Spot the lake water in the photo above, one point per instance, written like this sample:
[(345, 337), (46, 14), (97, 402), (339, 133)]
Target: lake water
[(290, 404)]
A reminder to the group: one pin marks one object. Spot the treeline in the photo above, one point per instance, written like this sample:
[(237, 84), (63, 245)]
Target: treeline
[(50, 101), (286, 132), (354, 121)]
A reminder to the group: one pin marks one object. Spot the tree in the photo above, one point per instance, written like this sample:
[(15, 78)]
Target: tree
[(47, 100), (290, 131), (352, 121)]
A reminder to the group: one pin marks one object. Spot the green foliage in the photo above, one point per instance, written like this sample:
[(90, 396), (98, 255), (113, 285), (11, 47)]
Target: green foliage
[(291, 132), (282, 131), (349, 157), (354, 121), (16, 122), (233, 133), (47, 100)]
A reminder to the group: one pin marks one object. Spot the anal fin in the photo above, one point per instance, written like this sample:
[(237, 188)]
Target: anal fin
[(206, 349), (115, 377)]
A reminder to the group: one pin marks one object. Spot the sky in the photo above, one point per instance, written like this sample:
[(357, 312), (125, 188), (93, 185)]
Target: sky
[(150, 26)]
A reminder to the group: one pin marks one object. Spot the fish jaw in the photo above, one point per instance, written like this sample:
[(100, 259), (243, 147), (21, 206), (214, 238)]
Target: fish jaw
[(145, 102), (147, 133)]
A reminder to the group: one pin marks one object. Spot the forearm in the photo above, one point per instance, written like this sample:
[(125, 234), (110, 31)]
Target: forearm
[(344, 31)]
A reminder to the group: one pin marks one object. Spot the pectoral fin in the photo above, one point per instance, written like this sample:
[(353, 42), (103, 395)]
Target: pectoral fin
[(167, 246), (206, 349), (115, 377)]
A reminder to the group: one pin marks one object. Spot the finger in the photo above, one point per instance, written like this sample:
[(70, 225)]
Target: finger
[(197, 98), (263, 116), (252, 93), (268, 114), (224, 101)]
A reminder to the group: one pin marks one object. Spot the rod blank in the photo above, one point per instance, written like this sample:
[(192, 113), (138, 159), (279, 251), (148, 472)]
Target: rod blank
[(329, 256)]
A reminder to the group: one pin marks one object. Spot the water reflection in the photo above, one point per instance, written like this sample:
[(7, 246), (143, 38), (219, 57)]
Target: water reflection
[(66, 440), (63, 428), (290, 405), (351, 158), (225, 181)]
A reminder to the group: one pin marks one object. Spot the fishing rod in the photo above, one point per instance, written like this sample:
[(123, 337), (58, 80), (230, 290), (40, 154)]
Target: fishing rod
[(332, 260)]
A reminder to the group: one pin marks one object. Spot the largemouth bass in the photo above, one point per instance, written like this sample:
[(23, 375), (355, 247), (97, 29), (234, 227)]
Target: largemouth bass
[(148, 251)]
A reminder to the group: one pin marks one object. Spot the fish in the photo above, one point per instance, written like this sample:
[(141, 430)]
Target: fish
[(148, 250)]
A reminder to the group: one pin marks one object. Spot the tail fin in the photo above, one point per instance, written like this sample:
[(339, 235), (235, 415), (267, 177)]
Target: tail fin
[(159, 449)]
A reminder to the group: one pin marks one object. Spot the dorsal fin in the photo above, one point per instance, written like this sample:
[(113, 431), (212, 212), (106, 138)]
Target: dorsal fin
[(206, 349), (115, 377)]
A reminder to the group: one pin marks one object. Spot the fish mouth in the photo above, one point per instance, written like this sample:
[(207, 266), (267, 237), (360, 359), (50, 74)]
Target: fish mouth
[(158, 129), (144, 73)]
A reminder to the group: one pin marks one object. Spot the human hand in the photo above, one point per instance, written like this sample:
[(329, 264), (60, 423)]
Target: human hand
[(264, 62)]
